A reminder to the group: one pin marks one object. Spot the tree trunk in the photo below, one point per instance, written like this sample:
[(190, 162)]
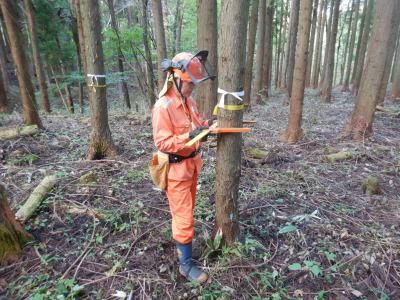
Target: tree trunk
[(346, 47), (67, 88), (248, 70), (114, 25), (101, 143), (395, 92), (351, 48), (311, 46), (294, 132), (267, 63), (260, 52), (11, 18), (44, 98), (363, 47), (12, 235), (281, 79), (327, 86), (234, 14), (294, 23), (160, 39), (177, 27), (75, 36), (149, 74), (337, 53), (360, 34), (280, 46), (389, 60), (319, 43), (360, 125), (328, 40), (3, 96), (207, 39), (4, 60)]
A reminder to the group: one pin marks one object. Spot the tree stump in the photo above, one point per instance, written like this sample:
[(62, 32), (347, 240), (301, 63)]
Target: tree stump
[(12, 236)]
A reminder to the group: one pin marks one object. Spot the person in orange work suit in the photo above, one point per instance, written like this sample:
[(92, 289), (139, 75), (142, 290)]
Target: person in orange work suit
[(176, 120)]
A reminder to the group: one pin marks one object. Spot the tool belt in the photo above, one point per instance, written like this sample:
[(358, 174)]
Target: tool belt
[(175, 158)]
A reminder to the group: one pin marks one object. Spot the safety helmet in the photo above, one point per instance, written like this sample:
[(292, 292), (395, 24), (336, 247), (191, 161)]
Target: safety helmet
[(189, 67)]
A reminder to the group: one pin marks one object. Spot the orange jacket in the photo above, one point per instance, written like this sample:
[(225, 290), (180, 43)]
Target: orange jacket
[(172, 122)]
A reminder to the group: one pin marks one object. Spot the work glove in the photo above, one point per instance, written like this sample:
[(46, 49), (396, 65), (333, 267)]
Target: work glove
[(211, 121), (195, 132)]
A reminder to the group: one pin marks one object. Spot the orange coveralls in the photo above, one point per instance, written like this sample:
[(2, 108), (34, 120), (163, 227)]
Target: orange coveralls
[(172, 121)]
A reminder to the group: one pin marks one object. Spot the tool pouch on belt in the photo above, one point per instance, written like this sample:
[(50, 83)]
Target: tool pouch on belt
[(158, 167)]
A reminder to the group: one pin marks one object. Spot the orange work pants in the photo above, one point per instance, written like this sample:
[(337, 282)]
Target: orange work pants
[(182, 199)]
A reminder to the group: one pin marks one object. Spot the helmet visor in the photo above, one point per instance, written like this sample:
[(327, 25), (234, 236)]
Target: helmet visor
[(198, 68)]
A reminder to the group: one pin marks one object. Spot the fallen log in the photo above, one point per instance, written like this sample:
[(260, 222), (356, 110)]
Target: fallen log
[(36, 198), (12, 133), (342, 155)]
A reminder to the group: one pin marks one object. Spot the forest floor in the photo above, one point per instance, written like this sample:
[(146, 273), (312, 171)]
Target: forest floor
[(307, 229)]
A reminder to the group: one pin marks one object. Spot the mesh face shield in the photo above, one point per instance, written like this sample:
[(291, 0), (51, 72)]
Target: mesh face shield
[(198, 68), (190, 68)]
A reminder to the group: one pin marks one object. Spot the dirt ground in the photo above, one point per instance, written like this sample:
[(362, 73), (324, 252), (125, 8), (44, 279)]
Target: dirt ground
[(308, 231)]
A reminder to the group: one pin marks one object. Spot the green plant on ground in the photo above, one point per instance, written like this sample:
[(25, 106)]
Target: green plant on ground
[(136, 175), (271, 282), (27, 158)]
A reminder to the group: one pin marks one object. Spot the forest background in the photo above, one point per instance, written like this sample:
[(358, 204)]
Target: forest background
[(317, 198)]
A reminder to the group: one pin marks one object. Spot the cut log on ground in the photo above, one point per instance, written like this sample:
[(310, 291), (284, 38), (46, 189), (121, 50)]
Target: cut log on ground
[(13, 133), (36, 198), (342, 155), (12, 236)]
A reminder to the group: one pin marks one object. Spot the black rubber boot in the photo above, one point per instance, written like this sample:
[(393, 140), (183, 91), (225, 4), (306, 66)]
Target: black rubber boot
[(186, 266)]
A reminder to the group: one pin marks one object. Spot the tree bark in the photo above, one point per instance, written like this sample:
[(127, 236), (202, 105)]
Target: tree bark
[(281, 78), (346, 48), (234, 14), (207, 39), (312, 40), (260, 52), (294, 23), (389, 60), (280, 45), (114, 25), (3, 96), (351, 47), (12, 235), (327, 85), (363, 47), (44, 98), (160, 39), (177, 28), (248, 70), (319, 43), (267, 60), (3, 60), (75, 36), (11, 18), (101, 143), (149, 74), (395, 92), (328, 40), (360, 34), (360, 125), (294, 132)]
